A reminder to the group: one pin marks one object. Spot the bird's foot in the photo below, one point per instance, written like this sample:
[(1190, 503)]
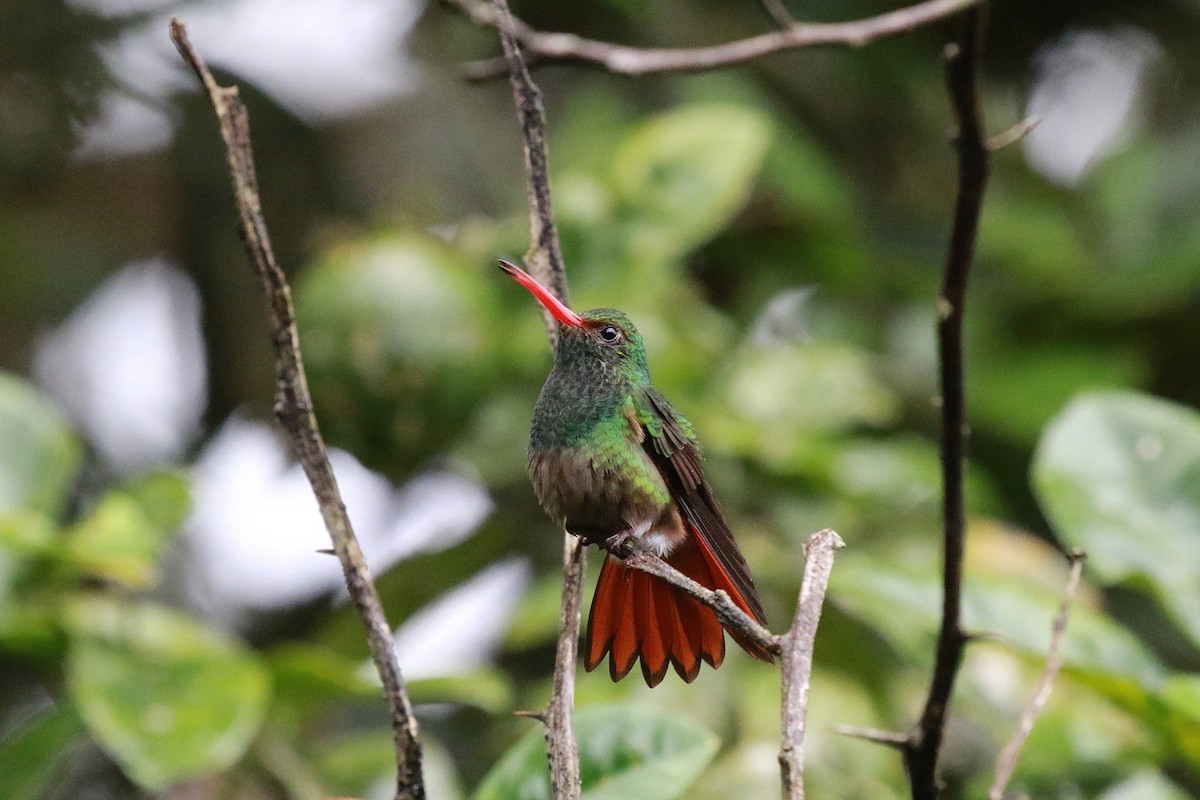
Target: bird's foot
[(618, 544)]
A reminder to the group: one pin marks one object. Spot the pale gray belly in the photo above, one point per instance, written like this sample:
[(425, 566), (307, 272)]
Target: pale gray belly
[(595, 498)]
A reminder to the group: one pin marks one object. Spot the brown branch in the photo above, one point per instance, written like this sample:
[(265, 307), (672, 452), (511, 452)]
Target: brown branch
[(796, 650), (545, 262), (925, 740), (779, 13), (544, 258), (561, 750), (730, 616), (794, 647), (623, 60), (1007, 762), (294, 409)]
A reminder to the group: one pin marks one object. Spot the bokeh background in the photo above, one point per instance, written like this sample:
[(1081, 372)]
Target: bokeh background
[(776, 231)]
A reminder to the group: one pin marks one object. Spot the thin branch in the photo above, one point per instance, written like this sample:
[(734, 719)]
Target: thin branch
[(730, 616), (796, 651), (1007, 762), (561, 750), (779, 13), (294, 409), (544, 260), (1013, 135), (925, 740), (897, 741), (623, 60)]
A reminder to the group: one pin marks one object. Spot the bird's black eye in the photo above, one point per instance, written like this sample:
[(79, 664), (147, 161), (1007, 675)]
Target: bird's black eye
[(610, 333)]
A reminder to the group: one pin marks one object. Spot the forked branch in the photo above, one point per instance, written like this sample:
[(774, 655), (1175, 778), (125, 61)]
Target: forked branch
[(624, 60), (294, 409)]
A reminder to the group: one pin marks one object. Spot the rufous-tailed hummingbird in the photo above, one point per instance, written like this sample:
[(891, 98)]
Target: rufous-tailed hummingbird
[(609, 458)]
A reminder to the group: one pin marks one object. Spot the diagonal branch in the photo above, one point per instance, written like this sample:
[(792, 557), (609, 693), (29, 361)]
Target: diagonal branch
[(294, 409), (623, 60), (544, 260), (925, 740), (730, 616), (1007, 762)]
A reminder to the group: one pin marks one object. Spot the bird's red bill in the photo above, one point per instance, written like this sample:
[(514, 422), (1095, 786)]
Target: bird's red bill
[(556, 307)]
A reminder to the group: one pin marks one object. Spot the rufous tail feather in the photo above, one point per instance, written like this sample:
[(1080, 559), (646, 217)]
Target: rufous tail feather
[(636, 616)]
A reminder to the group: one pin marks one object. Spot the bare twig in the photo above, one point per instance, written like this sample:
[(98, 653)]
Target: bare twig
[(796, 650), (561, 750), (897, 741), (779, 13), (623, 60), (294, 409), (730, 616), (1007, 762), (544, 260), (1013, 135), (925, 740)]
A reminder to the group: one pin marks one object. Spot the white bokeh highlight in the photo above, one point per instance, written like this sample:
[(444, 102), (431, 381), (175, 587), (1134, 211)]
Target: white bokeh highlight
[(255, 528), (1087, 98), (460, 631), (321, 59), (128, 366)]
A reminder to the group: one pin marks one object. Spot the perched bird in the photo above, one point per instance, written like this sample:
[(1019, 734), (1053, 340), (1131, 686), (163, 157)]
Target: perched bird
[(609, 458)]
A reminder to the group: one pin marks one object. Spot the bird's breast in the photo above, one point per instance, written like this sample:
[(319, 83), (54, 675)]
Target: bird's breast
[(598, 492)]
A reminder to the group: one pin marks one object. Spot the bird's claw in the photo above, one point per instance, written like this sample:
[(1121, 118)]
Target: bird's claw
[(618, 544)]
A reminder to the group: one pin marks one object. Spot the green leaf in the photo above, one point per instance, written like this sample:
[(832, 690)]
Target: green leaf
[(1181, 697), (41, 455), (122, 539), (1118, 474), (394, 334), (29, 756), (782, 395), (902, 601), (625, 753), (683, 174), (165, 696)]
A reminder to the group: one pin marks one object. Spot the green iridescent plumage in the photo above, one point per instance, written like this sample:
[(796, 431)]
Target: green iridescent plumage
[(587, 466), (610, 459)]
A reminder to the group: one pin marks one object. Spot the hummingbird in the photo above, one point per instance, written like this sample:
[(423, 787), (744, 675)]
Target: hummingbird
[(610, 459)]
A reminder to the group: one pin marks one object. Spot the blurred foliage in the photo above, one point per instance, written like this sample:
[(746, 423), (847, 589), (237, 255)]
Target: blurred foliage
[(624, 752), (777, 233)]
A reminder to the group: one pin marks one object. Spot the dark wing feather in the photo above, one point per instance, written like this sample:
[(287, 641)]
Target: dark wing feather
[(674, 450)]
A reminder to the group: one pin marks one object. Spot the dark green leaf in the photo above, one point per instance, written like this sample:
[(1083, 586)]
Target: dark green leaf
[(29, 756)]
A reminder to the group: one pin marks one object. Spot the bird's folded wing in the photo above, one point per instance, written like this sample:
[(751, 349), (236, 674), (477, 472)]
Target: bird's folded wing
[(672, 446)]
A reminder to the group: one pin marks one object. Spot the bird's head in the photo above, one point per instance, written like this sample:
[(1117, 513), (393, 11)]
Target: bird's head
[(602, 335)]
